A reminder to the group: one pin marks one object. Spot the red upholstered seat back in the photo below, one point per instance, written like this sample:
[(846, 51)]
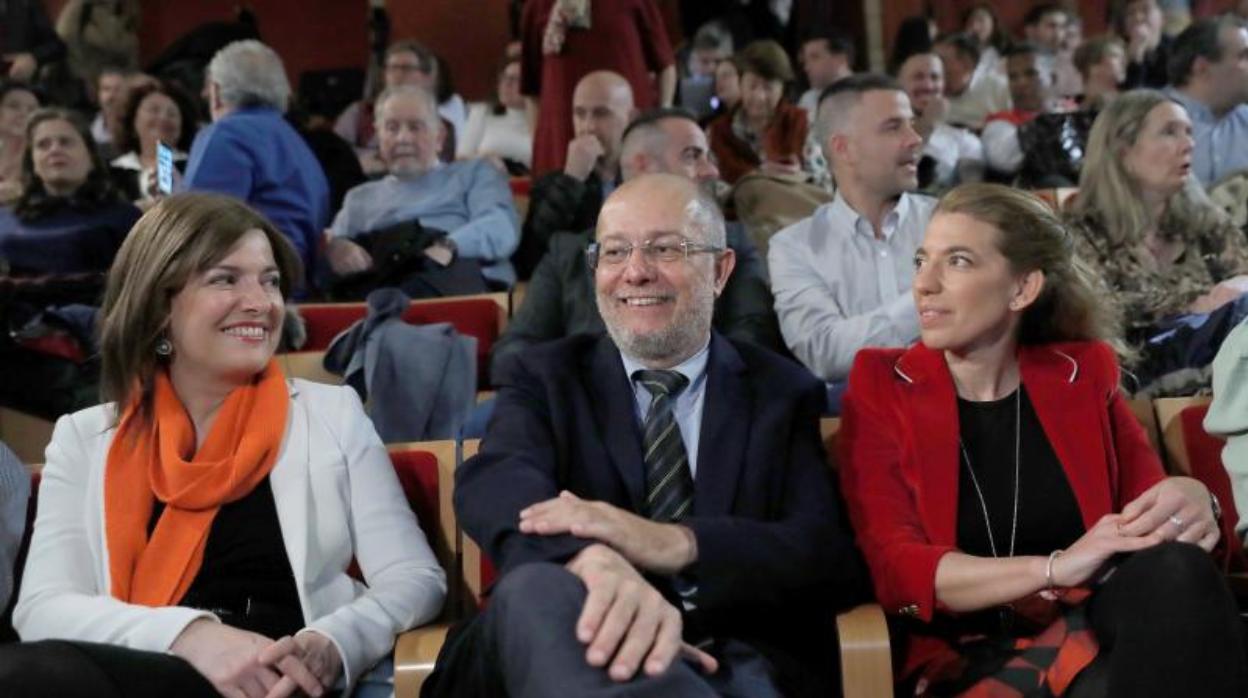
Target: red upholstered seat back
[(476, 317), (418, 475), (1204, 454)]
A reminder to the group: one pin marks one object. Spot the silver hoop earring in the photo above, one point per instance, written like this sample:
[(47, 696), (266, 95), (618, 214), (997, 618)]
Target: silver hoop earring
[(164, 347)]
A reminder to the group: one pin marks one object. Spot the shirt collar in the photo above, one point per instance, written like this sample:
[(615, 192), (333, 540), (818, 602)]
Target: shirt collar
[(1196, 110), (691, 368), (862, 226), (437, 165)]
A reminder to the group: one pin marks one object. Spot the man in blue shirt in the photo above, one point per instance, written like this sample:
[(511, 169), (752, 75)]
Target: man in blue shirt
[(469, 199), (250, 152), (1209, 74)]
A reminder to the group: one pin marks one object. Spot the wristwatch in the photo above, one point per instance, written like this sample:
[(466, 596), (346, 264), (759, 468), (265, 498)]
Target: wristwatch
[(1216, 506)]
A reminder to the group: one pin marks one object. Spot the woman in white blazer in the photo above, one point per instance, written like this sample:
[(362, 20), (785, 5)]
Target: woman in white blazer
[(193, 535)]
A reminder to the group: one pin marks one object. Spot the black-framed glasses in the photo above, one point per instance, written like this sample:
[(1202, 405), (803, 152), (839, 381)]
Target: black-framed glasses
[(665, 250)]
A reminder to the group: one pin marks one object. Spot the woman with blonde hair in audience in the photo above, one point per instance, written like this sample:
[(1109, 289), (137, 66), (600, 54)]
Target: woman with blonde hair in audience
[(764, 131), (154, 112), (194, 534), (1143, 222), (500, 129), (1008, 503)]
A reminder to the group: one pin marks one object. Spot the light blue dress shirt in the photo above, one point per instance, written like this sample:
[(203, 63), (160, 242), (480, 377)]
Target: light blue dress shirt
[(688, 406), (1221, 146), (469, 199)]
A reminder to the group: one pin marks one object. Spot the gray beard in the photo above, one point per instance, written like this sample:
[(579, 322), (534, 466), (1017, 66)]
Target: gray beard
[(681, 339)]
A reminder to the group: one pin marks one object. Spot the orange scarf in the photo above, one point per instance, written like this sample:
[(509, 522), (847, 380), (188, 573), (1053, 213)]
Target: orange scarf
[(160, 461)]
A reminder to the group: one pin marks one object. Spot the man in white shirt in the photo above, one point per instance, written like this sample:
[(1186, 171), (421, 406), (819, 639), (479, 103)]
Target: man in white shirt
[(841, 278), (951, 154), (825, 58), (973, 93), (1209, 69)]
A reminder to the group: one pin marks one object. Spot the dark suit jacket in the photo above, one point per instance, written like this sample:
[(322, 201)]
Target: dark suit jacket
[(560, 300), (899, 457), (557, 203), (775, 558)]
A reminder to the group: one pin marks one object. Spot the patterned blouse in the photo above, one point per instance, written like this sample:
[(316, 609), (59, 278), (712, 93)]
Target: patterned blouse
[(1145, 291)]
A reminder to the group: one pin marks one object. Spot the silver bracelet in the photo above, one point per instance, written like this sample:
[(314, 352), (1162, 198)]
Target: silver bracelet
[(1048, 569)]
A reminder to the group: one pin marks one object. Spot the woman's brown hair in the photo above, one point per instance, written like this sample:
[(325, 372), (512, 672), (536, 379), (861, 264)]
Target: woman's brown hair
[(181, 236), (1033, 238)]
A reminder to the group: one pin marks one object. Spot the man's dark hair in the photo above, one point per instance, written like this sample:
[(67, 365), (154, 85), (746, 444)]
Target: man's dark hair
[(1025, 48), (963, 43), (654, 116), (836, 42), (1038, 12), (1201, 39)]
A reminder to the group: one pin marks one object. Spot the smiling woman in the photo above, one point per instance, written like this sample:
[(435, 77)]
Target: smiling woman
[(994, 472), (174, 548)]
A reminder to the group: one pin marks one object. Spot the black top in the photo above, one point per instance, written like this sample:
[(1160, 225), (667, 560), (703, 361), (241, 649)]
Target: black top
[(1048, 514), (245, 577)]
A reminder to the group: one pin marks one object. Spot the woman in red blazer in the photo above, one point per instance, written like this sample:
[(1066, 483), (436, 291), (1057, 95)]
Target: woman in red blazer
[(1008, 503)]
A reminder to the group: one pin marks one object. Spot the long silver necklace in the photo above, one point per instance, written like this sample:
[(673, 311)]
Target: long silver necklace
[(983, 503)]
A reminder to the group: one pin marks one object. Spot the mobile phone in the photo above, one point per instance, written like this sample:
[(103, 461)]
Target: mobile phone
[(164, 168)]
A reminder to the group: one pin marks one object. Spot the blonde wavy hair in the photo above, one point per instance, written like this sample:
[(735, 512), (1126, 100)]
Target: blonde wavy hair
[(1110, 196)]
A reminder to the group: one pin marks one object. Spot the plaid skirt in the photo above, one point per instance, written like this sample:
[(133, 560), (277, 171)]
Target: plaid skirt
[(1014, 665)]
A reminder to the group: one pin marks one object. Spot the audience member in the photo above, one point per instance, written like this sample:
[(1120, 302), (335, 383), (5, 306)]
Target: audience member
[(250, 152), (17, 102), (1031, 73), (825, 58), (110, 86), (981, 23), (973, 93), (69, 218), (765, 131), (727, 90), (616, 493), (407, 62), (841, 277), (158, 112), (469, 200), (565, 40), (99, 33), (14, 496), (1138, 24), (711, 45), (499, 130), (1044, 26), (1102, 64), (26, 39), (913, 36), (194, 533), (1143, 222), (568, 201), (951, 154), (559, 301), (1072, 569), (1209, 77)]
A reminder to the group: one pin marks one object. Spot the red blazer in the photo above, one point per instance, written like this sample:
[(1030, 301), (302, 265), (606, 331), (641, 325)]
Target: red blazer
[(899, 456)]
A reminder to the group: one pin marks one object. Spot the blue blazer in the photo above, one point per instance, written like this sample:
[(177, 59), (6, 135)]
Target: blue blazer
[(776, 557)]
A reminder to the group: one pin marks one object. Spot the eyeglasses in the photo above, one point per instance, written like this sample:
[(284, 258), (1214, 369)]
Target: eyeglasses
[(660, 250)]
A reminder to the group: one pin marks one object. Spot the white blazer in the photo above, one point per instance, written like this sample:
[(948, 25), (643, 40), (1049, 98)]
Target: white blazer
[(336, 495)]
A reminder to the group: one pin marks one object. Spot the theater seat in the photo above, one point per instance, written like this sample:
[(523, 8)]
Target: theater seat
[(482, 316), (422, 468)]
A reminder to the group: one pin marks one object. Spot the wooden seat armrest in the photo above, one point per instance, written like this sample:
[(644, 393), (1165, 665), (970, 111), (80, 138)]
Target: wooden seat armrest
[(415, 653), (866, 660)]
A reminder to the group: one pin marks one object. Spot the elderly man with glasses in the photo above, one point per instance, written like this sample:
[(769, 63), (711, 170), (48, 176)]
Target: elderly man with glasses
[(657, 499)]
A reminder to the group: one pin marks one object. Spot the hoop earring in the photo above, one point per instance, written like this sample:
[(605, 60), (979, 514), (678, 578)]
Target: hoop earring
[(164, 348)]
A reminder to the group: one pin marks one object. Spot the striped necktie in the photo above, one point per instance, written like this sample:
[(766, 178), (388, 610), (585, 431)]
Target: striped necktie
[(669, 485)]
